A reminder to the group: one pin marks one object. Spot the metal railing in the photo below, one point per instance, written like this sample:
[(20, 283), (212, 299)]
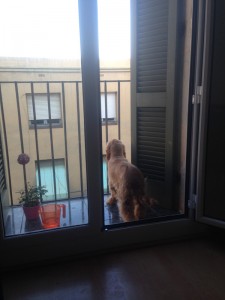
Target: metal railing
[(65, 142)]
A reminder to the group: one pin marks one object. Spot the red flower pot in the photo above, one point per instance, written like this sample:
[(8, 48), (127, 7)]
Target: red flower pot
[(31, 213)]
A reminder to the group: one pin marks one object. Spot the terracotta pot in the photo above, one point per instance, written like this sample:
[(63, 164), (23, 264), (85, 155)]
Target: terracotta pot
[(31, 213)]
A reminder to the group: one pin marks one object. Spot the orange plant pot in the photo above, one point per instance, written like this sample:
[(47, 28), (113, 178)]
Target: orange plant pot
[(50, 215)]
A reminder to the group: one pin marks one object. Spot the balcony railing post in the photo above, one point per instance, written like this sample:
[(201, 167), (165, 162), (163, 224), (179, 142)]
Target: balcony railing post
[(51, 139), (36, 135), (6, 145), (118, 121), (106, 113), (21, 133), (65, 139)]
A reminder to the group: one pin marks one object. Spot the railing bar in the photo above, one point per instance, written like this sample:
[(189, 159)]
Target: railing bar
[(66, 150), (2, 167), (82, 209), (13, 221), (79, 137), (126, 80), (119, 133), (65, 81), (105, 82), (22, 222), (65, 139), (6, 146), (21, 134), (51, 138), (19, 117), (56, 81), (106, 113), (36, 135), (70, 216)]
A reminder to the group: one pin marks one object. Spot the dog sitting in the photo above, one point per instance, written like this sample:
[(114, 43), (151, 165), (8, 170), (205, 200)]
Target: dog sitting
[(126, 183)]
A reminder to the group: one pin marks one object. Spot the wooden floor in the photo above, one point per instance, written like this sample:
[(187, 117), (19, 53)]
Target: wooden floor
[(193, 269)]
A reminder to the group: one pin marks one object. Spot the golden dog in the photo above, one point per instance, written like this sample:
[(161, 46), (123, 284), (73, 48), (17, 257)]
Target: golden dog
[(126, 183)]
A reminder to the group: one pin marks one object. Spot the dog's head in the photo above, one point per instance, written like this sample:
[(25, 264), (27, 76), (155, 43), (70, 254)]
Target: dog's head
[(115, 148)]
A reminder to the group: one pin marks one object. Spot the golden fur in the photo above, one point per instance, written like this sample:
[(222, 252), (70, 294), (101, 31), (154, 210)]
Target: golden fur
[(126, 184)]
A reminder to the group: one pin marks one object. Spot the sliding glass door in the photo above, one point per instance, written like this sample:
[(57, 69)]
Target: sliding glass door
[(58, 113)]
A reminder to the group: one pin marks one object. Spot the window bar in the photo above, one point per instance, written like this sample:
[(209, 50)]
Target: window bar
[(79, 138), (65, 139), (6, 145), (119, 133), (21, 134), (36, 135), (106, 113), (51, 138), (66, 149), (2, 168)]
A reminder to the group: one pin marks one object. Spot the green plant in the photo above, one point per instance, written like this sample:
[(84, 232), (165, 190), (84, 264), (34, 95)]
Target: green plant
[(31, 195)]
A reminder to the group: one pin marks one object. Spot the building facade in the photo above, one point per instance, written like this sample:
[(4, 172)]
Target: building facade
[(42, 116)]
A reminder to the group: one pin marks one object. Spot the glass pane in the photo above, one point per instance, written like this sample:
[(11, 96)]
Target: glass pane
[(114, 53), (42, 128), (156, 196)]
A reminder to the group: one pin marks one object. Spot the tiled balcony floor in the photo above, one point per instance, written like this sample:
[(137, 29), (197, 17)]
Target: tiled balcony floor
[(76, 214)]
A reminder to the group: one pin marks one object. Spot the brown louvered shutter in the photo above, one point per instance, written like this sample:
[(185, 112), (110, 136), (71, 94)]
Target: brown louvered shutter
[(154, 30), (151, 142), (152, 41)]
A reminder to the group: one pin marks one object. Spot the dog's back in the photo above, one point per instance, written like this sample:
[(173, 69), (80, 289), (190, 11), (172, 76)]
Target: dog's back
[(126, 183), (127, 177), (135, 180), (121, 166)]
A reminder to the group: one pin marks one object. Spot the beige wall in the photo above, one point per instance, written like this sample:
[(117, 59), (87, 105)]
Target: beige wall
[(47, 70)]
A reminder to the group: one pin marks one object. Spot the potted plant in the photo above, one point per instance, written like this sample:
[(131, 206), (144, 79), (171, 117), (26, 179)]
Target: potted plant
[(30, 199)]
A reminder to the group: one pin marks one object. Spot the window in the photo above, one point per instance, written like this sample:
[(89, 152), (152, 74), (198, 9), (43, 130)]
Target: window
[(39, 114), (108, 107), (152, 144), (53, 178)]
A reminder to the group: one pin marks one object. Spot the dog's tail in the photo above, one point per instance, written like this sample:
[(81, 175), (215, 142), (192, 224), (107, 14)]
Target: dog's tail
[(146, 200), (142, 205)]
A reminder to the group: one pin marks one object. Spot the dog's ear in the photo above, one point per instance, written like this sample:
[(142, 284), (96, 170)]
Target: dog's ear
[(108, 152)]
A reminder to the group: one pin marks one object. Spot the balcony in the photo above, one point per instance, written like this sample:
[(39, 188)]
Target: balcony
[(45, 120)]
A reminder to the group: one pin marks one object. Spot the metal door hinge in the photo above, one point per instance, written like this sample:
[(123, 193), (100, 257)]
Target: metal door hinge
[(192, 201), (197, 97)]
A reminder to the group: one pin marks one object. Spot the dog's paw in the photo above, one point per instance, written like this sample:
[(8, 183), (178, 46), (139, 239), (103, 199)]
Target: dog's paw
[(111, 201)]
